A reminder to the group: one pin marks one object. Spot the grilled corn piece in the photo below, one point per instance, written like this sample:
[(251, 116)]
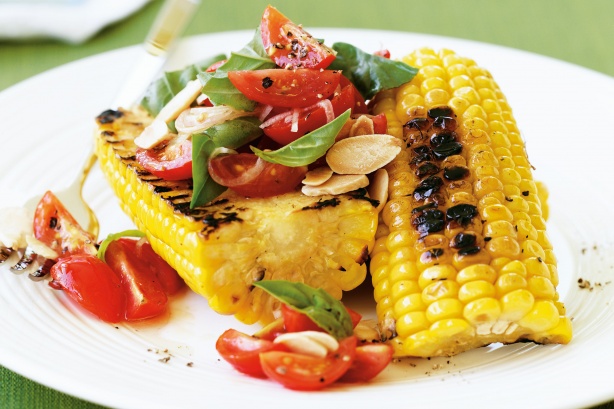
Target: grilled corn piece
[(461, 258), (222, 248)]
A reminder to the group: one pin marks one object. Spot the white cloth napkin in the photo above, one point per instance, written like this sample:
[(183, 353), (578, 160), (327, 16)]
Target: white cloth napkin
[(74, 21)]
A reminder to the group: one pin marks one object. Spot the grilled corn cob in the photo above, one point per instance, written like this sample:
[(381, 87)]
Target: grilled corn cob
[(221, 248), (461, 258)]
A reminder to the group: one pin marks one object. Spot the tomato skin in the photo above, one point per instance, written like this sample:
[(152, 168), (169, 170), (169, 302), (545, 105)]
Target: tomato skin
[(286, 88), (380, 123), (58, 229), (296, 321), (171, 162), (251, 176), (384, 53), (370, 360), (213, 67), (167, 276), (303, 372), (312, 118), (145, 296), (289, 45), (242, 351), (92, 284)]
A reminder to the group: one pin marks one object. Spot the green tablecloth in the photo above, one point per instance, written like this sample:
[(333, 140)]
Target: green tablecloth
[(577, 31)]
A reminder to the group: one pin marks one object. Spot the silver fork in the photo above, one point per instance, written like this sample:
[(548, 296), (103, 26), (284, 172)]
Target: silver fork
[(170, 22)]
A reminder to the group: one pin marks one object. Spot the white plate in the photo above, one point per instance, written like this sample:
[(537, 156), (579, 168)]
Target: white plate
[(565, 113)]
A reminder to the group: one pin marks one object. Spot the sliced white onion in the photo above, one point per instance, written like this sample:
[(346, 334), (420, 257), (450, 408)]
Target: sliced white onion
[(198, 119), (294, 127), (221, 151), (245, 177), (264, 112), (293, 114), (328, 109), (276, 118)]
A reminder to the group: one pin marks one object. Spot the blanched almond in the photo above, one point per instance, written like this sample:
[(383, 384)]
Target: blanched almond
[(337, 185), (317, 176), (313, 343), (378, 188), (362, 154), (362, 126)]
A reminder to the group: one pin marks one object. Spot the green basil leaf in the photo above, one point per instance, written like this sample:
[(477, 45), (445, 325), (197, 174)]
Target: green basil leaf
[(114, 236), (204, 188), (370, 73), (308, 148), (327, 312), (166, 87), (218, 87), (230, 134)]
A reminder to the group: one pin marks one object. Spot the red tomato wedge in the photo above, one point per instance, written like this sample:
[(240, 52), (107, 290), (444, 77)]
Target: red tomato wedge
[(303, 372), (167, 276), (286, 88), (58, 229), (370, 360), (92, 284), (242, 351), (289, 45), (145, 295), (172, 161), (279, 127), (296, 321), (250, 176)]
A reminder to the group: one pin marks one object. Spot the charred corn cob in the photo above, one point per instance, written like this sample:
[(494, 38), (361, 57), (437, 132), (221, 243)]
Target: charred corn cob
[(222, 248), (461, 258)]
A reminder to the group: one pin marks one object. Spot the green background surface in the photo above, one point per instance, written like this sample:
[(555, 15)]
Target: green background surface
[(576, 31)]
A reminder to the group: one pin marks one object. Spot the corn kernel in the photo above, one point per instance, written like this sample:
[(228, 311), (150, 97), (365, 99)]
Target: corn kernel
[(443, 309), (516, 304), (436, 273), (482, 310), (411, 323), (409, 303), (438, 290), (541, 287), (477, 272), (510, 282), (542, 317)]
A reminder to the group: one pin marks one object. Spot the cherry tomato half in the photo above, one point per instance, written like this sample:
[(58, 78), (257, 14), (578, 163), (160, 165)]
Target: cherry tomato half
[(304, 372), (289, 45), (279, 128), (286, 88), (92, 284), (370, 360), (145, 296), (167, 276), (250, 176), (296, 321), (58, 229), (172, 161), (242, 351)]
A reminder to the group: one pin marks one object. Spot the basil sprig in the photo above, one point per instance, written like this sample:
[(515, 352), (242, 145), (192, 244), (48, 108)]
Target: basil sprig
[(368, 72), (327, 312), (218, 87), (114, 236), (230, 134), (308, 148), (162, 90)]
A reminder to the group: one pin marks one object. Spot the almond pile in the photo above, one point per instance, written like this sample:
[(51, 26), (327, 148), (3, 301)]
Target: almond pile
[(357, 153)]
